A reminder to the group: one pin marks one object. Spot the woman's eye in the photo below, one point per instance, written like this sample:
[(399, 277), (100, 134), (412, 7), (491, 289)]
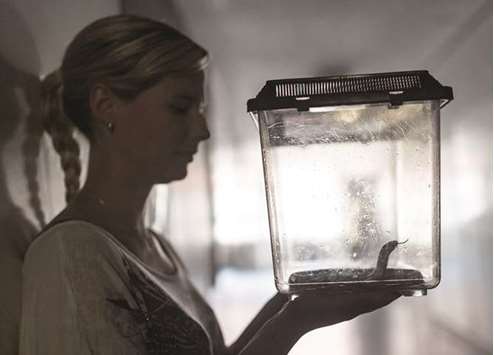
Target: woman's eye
[(181, 110)]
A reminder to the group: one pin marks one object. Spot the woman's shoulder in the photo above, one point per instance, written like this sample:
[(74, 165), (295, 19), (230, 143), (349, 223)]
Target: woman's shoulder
[(72, 240)]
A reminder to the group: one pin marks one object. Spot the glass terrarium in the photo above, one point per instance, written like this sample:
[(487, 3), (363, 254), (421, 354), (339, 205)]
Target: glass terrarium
[(351, 167)]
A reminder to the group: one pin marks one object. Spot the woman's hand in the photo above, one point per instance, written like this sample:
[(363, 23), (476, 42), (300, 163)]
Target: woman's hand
[(280, 324), (314, 310)]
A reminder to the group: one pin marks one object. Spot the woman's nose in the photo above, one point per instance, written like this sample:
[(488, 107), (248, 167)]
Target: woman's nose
[(199, 129)]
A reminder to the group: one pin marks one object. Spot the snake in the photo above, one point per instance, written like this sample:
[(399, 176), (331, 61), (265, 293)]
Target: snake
[(377, 273), (382, 260)]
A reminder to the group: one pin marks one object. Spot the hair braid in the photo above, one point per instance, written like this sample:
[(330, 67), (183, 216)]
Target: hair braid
[(61, 131), (30, 149)]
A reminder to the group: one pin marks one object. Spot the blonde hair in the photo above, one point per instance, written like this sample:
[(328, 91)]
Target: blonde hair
[(127, 53)]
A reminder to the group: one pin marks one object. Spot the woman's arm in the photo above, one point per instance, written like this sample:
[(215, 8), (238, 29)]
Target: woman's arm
[(266, 314), (269, 332), (281, 323)]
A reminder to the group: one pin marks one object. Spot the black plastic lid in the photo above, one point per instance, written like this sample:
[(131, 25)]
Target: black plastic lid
[(394, 88)]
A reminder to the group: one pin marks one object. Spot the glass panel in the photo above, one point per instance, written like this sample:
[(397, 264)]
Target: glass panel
[(345, 186)]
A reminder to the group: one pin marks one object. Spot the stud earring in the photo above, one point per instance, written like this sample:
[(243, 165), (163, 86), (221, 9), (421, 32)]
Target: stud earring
[(110, 126)]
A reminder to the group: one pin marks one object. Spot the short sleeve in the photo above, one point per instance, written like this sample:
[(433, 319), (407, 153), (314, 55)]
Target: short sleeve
[(73, 289)]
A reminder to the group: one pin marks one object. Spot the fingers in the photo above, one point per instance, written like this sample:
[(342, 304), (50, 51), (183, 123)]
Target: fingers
[(314, 310), (370, 297), (365, 303)]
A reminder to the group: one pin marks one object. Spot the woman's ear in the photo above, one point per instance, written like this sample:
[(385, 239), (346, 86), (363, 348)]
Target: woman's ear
[(103, 102)]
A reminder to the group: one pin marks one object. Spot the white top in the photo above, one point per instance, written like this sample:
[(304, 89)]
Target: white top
[(85, 293)]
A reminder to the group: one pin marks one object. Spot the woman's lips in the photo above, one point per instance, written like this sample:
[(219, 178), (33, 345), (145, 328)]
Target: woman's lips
[(187, 155)]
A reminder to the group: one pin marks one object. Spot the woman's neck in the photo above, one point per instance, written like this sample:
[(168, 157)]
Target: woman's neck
[(113, 197), (119, 206)]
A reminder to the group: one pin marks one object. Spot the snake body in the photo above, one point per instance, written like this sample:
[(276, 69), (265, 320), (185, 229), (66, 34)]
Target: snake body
[(377, 273), (382, 260)]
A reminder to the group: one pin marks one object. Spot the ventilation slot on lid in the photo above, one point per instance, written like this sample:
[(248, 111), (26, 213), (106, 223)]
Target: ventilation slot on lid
[(349, 86)]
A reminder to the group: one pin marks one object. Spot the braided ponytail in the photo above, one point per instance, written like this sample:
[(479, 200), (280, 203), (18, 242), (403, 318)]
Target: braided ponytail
[(61, 131), (31, 147)]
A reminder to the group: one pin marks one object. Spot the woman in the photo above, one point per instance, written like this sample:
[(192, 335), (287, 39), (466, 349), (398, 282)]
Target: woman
[(96, 281)]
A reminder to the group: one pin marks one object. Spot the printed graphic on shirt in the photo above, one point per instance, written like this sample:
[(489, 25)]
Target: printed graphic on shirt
[(157, 321)]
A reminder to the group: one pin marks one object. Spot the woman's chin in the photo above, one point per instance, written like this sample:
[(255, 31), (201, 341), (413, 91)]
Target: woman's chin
[(176, 175)]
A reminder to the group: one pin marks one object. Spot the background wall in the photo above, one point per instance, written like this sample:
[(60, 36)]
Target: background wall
[(33, 35)]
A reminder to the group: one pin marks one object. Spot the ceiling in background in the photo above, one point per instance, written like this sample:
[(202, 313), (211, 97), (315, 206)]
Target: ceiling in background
[(251, 42)]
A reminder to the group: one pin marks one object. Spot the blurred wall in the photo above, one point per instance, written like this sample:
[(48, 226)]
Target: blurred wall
[(33, 36)]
